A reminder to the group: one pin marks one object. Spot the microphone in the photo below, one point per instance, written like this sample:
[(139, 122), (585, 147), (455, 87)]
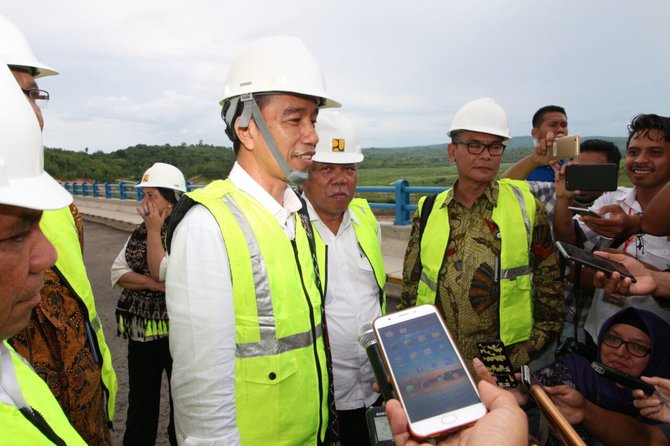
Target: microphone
[(367, 340)]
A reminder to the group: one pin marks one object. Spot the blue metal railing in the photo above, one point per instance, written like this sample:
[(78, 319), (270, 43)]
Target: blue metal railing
[(401, 191)]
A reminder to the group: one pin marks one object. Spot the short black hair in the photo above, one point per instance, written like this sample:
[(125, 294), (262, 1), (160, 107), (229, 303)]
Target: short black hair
[(642, 124), (611, 151), (539, 115)]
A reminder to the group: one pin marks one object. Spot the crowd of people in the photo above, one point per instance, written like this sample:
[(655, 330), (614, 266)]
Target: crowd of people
[(249, 293)]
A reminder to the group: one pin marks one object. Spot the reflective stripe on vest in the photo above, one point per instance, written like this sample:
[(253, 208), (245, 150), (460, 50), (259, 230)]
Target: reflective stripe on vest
[(59, 227), (15, 428), (514, 215), (280, 366), (269, 344)]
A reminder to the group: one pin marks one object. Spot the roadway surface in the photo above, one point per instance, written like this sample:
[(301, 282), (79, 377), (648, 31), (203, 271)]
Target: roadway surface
[(101, 246)]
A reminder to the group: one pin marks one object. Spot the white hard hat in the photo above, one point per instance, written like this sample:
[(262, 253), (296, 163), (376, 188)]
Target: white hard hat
[(337, 140), (163, 175), (276, 64), (23, 181), (481, 115), (15, 51)]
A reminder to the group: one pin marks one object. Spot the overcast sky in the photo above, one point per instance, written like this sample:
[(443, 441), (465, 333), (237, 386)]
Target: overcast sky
[(152, 71)]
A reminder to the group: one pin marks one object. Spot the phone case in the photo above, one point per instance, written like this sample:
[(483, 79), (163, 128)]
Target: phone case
[(495, 359), (565, 148), (561, 427), (590, 177), (591, 260)]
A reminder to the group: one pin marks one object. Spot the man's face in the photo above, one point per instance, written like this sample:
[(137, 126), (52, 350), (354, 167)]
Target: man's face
[(291, 122), (24, 255), (647, 160), (331, 187), (481, 168), (619, 357), (590, 158), (555, 122), (26, 81)]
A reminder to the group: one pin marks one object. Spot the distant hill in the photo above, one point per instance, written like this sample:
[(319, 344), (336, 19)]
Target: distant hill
[(203, 163)]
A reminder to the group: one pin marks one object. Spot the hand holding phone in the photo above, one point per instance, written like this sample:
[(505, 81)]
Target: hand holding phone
[(583, 257), (559, 424), (628, 381), (427, 372)]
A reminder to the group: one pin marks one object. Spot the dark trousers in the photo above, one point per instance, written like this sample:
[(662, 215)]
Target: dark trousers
[(353, 427), (146, 363)]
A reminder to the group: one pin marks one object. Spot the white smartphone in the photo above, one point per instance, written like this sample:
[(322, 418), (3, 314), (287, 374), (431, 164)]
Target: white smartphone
[(564, 148), (427, 371), (583, 211)]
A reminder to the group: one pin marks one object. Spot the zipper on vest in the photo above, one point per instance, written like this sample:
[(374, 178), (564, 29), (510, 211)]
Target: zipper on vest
[(314, 339)]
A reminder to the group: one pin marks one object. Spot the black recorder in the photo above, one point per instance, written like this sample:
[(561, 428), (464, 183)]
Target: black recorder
[(627, 381)]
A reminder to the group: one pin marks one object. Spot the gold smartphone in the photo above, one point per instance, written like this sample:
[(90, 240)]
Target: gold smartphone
[(564, 148), (561, 427)]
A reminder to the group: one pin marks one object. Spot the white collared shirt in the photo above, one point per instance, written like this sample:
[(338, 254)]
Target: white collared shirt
[(352, 299), (199, 297)]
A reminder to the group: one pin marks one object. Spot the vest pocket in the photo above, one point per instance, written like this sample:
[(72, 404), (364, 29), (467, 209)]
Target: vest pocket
[(268, 370)]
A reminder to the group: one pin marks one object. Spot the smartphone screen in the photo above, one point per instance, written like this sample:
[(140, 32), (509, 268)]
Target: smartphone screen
[(428, 374)]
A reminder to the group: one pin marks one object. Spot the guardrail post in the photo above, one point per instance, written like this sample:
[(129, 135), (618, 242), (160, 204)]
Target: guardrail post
[(96, 193), (67, 186), (122, 191), (401, 203), (108, 190), (140, 193), (84, 189), (75, 188)]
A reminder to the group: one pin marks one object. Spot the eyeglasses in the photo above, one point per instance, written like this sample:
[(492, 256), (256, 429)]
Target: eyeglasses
[(635, 349), (41, 97), (476, 147)]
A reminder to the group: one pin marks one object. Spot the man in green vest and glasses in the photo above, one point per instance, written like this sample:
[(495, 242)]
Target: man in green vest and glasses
[(242, 291), (482, 251)]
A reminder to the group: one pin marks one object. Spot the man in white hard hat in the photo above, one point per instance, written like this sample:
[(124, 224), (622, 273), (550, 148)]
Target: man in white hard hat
[(29, 413), (249, 360), (354, 275), (64, 339), (482, 252)]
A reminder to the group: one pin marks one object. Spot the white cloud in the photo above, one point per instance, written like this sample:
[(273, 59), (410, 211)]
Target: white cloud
[(152, 71)]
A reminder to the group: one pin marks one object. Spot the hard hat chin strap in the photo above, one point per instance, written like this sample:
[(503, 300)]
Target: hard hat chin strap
[(250, 108)]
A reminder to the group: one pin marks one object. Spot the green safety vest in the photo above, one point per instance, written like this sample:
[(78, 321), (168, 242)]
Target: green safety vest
[(514, 215), (16, 429), (59, 227), (368, 239), (281, 377)]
